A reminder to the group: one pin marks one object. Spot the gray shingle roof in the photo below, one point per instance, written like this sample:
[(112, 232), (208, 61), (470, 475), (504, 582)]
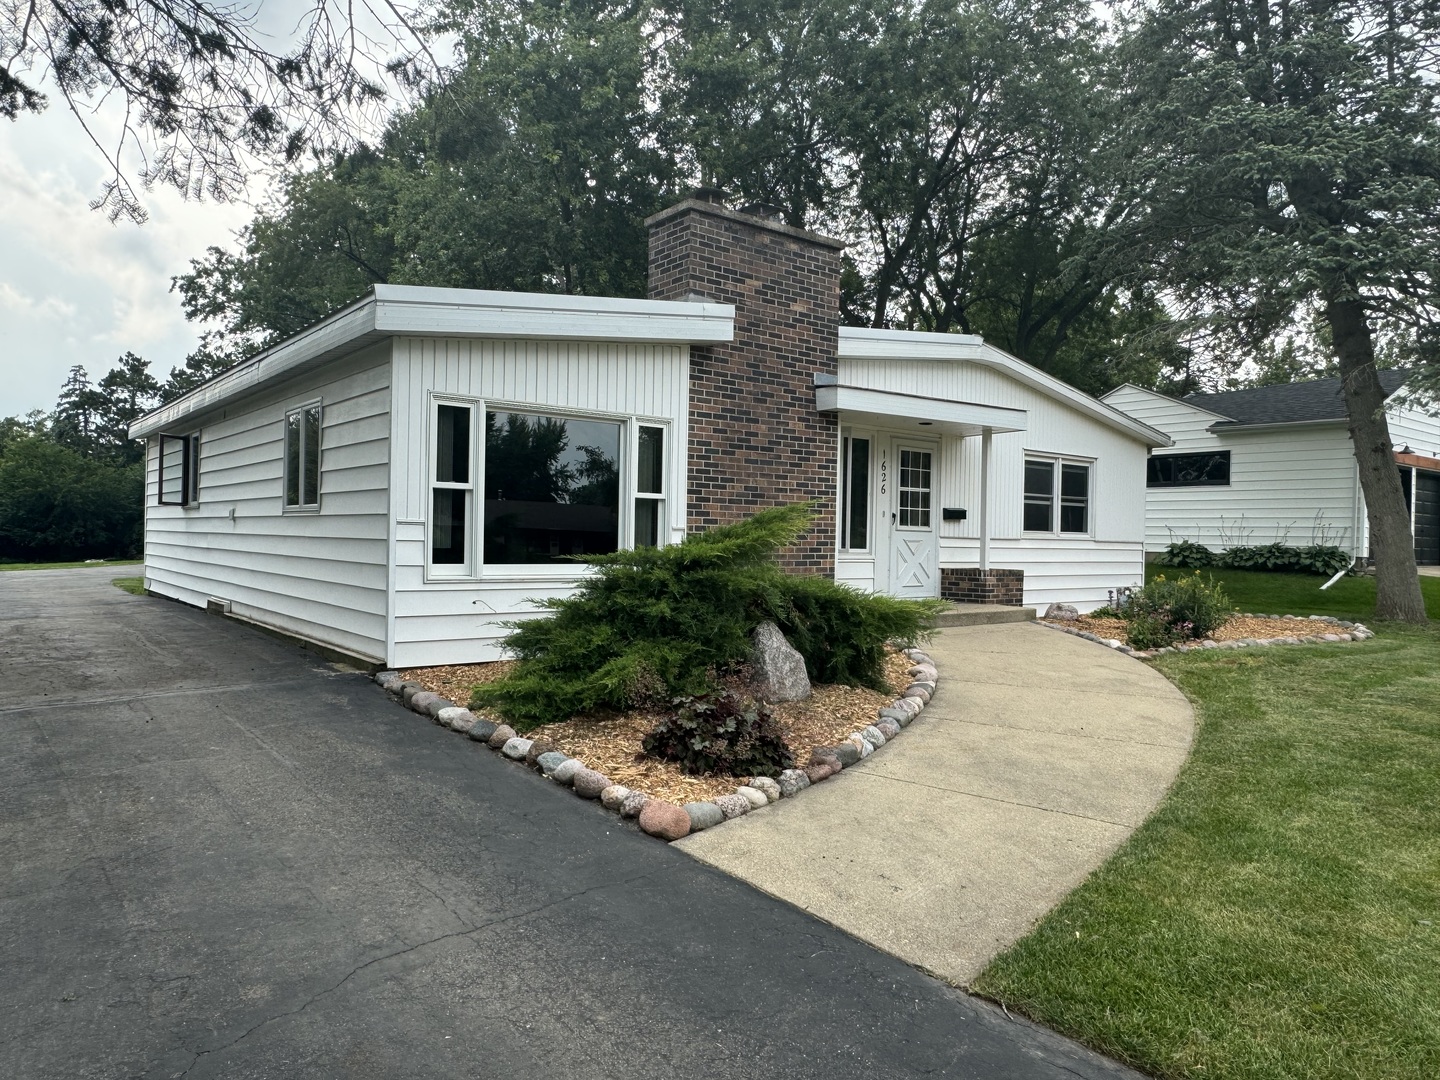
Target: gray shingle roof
[(1289, 403)]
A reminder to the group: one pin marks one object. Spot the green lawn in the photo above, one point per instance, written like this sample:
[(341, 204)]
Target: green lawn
[(1279, 915), (1299, 594), (65, 565), (135, 586)]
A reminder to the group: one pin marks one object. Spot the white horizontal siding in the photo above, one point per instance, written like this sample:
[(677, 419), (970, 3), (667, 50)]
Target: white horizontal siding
[(322, 576), (1290, 484), (449, 622), (1414, 428)]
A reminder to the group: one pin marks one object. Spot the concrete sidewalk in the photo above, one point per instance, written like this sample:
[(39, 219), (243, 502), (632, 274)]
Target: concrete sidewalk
[(1038, 756)]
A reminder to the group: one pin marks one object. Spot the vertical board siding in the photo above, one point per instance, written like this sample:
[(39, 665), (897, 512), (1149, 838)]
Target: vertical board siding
[(451, 622), (1293, 485), (322, 576), (1078, 572)]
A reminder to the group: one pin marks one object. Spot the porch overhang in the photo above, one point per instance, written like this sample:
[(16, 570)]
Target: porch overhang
[(889, 409)]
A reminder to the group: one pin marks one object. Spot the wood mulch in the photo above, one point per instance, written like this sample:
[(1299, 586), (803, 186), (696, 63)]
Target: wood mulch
[(1233, 629), (611, 743)]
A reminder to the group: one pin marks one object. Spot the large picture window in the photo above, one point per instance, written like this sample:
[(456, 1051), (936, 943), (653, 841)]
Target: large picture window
[(552, 487), (179, 478), (1189, 470), (302, 458), (1057, 496), (855, 490)]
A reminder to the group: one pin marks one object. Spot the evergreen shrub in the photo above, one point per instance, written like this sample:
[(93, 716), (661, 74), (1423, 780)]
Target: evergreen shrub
[(652, 624)]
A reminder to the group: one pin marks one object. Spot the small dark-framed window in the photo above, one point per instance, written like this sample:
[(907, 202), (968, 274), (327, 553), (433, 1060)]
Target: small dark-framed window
[(302, 457), (1210, 469), (179, 470)]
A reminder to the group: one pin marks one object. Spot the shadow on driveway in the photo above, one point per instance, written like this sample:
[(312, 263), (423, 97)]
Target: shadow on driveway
[(224, 857)]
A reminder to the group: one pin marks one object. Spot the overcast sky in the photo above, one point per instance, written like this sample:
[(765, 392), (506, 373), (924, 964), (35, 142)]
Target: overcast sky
[(75, 289)]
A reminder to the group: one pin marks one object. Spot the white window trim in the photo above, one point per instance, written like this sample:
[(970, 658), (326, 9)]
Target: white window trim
[(300, 507), (476, 569), (1090, 500)]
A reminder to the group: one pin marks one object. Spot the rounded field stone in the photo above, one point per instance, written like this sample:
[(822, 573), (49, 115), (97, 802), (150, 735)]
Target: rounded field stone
[(588, 783), (753, 796), (817, 772), (909, 705), (387, 678), (702, 815), (919, 690), (407, 690), (433, 709), (483, 729), (664, 819), (874, 736), (766, 786), (791, 782), (502, 734), (515, 748), (613, 797), (564, 773), (732, 806), (421, 700), (900, 716), (888, 728), (538, 747), (844, 754), (924, 673), (865, 749), (549, 761), (636, 802), (457, 719)]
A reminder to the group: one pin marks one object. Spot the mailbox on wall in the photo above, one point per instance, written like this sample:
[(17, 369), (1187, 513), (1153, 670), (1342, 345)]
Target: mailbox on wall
[(952, 513)]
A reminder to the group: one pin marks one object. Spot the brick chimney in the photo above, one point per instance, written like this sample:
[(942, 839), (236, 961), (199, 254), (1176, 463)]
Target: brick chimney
[(755, 437)]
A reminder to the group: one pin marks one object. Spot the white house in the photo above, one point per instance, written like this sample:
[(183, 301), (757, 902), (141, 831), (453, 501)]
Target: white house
[(405, 476), (1275, 464)]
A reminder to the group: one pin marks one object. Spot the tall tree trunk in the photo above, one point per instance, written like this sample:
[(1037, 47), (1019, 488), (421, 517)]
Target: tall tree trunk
[(1392, 546)]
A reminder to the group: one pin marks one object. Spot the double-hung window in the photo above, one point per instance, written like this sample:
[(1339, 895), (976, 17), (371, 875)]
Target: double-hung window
[(1057, 495), (452, 493), (179, 471), (302, 457), (649, 485)]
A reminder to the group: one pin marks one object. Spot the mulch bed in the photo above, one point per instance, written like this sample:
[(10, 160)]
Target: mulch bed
[(1236, 628), (611, 743)]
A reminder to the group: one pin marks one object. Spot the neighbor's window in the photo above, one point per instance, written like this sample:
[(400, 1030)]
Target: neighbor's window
[(552, 487), (649, 486), (1189, 470), (452, 487), (1048, 503), (179, 480), (855, 491), (302, 458)]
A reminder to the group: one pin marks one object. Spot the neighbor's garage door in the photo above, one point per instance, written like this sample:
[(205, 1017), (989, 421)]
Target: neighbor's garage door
[(1427, 518)]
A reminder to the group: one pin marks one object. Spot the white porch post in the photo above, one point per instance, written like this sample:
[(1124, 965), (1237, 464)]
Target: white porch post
[(985, 501)]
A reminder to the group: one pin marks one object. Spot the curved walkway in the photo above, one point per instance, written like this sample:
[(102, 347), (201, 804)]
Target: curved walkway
[(1038, 756)]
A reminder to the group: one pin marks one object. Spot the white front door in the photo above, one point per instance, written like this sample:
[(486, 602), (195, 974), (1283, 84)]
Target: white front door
[(913, 548)]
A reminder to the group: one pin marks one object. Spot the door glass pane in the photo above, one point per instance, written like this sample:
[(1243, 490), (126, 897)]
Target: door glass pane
[(552, 487), (914, 492), (292, 459), (311, 485), (858, 495), (452, 444), (650, 463), (447, 527), (647, 522)]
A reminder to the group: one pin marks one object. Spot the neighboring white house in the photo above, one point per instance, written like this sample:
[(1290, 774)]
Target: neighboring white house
[(402, 478), (1275, 464)]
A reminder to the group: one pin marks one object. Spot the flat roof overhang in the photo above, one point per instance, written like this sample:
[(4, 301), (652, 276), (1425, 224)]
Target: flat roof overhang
[(889, 409)]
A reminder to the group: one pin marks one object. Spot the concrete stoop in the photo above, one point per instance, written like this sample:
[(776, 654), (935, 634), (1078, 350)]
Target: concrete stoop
[(958, 614)]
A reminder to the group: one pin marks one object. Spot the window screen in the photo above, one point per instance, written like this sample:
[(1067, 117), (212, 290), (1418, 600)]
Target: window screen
[(1039, 496), (302, 458), (1074, 498), (179, 479)]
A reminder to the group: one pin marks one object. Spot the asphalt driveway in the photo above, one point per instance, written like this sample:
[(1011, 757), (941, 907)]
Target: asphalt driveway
[(225, 857)]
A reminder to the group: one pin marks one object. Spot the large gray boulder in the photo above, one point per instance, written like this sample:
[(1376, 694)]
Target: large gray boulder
[(1062, 612), (779, 670)]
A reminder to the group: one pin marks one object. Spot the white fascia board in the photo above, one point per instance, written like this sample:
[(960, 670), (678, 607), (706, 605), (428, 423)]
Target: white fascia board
[(418, 311), (413, 310), (858, 343), (347, 330), (885, 403)]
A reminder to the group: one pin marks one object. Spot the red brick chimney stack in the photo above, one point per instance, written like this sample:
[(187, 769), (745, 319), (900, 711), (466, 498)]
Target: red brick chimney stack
[(755, 437)]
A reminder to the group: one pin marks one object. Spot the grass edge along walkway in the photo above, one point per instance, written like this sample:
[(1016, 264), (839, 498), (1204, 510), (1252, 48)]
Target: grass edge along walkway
[(1277, 916), (67, 565)]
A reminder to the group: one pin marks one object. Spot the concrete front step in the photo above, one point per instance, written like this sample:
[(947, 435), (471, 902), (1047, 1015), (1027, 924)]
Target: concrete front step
[(983, 615)]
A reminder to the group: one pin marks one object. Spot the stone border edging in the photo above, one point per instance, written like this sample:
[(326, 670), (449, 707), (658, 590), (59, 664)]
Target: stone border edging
[(1351, 632), (658, 817)]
